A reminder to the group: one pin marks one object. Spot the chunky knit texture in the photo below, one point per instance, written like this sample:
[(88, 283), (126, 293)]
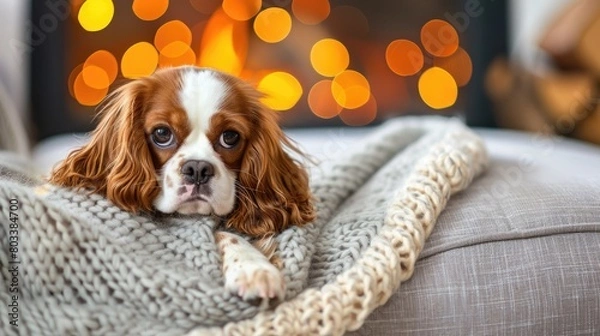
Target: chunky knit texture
[(88, 267)]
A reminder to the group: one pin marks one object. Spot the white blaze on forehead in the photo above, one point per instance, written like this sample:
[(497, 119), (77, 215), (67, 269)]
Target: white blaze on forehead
[(202, 95)]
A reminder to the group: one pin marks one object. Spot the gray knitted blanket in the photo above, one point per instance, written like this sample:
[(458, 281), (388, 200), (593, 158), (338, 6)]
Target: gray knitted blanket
[(74, 264)]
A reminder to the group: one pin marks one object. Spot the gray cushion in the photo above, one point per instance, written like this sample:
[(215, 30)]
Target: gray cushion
[(512, 255)]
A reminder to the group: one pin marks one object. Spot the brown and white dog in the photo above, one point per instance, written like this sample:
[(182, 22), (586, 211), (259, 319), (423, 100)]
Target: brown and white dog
[(195, 141)]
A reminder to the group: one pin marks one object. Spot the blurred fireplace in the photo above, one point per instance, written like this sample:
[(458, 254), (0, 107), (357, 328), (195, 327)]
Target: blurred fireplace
[(320, 62)]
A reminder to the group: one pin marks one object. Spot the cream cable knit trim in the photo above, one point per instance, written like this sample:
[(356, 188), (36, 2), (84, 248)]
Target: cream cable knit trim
[(345, 303)]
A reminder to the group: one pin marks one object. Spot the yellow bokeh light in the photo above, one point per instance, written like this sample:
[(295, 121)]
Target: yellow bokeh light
[(361, 116), (350, 89), (459, 65), (224, 44), (438, 88), (273, 24), (170, 32), (282, 90), (95, 15), (439, 38), (311, 12), (321, 101), (329, 57), (85, 95), (106, 61), (139, 60), (95, 77), (149, 10), (404, 57), (241, 10), (188, 57)]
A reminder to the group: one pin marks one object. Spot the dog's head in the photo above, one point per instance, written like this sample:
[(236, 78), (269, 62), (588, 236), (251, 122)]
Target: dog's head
[(193, 141)]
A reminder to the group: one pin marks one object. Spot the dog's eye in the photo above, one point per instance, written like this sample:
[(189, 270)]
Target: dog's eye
[(229, 139), (163, 137)]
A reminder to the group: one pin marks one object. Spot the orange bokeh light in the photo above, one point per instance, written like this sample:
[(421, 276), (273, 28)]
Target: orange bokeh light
[(95, 77), (169, 33), (282, 90), (105, 60), (86, 95), (139, 60), (241, 10), (72, 76), (311, 12), (321, 101), (459, 65), (149, 10), (224, 44), (439, 38), (329, 57), (350, 89), (438, 88), (188, 57), (273, 24), (361, 116), (404, 57)]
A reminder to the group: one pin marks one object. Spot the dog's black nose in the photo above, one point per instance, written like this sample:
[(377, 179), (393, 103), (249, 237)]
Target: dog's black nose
[(197, 171)]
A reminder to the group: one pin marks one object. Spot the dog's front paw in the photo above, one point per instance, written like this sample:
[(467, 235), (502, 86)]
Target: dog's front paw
[(255, 280)]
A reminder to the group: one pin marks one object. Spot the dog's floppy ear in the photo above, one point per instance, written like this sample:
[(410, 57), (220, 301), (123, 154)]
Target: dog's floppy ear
[(272, 191), (116, 162)]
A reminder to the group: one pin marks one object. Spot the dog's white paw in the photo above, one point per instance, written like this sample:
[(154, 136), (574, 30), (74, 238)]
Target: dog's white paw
[(255, 280)]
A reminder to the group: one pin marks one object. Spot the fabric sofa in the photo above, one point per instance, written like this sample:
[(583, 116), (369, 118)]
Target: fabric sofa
[(515, 254)]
